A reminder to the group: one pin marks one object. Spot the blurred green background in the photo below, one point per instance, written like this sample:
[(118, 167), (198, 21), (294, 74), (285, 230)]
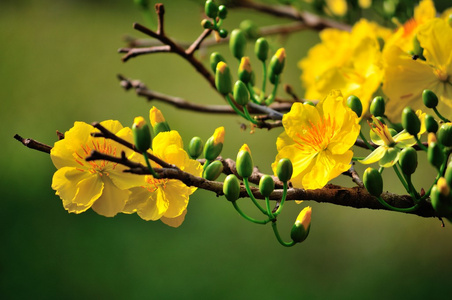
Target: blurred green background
[(58, 64)]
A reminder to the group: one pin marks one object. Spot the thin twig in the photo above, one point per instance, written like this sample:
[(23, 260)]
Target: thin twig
[(32, 144)]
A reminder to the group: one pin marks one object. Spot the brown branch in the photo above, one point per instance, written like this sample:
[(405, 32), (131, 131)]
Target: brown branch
[(133, 52), (32, 144)]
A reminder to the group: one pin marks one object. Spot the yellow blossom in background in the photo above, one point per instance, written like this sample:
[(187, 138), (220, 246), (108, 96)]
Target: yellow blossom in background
[(404, 35), (336, 7), (348, 61), (405, 78), (317, 140), (100, 185), (364, 3), (164, 199)]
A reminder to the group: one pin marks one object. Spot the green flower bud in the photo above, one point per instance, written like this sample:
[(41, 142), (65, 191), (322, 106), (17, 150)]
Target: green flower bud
[(231, 187), (214, 144), (222, 12), (158, 122), (213, 170), (284, 169), (430, 99), (211, 9), (244, 162), (141, 134), (277, 62), (261, 49), (300, 230), (143, 3), (444, 134), (441, 198), (195, 147), (245, 72), (266, 185), (430, 124), (377, 106), (355, 104), (373, 182), (274, 78), (435, 155), (223, 33), (408, 160), (410, 121), (250, 29), (237, 43), (309, 103), (448, 174), (223, 78), (241, 94), (215, 58), (207, 24)]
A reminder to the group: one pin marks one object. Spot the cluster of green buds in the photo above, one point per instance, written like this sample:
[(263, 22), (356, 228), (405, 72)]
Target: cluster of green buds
[(284, 170), (441, 196), (216, 14)]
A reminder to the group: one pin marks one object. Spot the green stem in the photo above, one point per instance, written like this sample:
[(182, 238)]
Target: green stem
[(361, 135), (272, 96), (402, 180), (264, 81), (235, 107), (387, 205), (253, 95), (439, 115), (248, 190), (151, 169), (420, 143), (269, 210), (284, 196), (278, 237), (247, 114), (237, 208)]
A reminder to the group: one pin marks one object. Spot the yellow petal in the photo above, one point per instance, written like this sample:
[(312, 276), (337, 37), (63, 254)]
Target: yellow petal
[(112, 200), (174, 222), (435, 37), (375, 156), (176, 193), (154, 207)]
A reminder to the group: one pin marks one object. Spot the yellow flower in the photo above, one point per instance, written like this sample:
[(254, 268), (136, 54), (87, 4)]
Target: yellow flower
[(388, 152), (155, 116), (164, 199), (405, 78), (337, 7), (354, 63), (101, 185), (317, 140)]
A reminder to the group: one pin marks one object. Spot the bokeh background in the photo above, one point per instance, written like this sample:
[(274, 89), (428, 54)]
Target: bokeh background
[(58, 64)]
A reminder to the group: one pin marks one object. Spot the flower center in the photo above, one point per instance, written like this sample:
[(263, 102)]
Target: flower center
[(318, 136), (96, 166), (441, 74), (382, 131), (154, 184)]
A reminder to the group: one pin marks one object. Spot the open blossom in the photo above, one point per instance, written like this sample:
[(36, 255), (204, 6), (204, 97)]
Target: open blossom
[(164, 199), (348, 61), (405, 78), (100, 185), (317, 140)]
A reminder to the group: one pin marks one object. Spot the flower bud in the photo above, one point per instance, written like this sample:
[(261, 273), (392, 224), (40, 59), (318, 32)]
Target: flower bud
[(441, 198), (266, 185), (250, 29), (410, 121), (195, 147), (245, 71), (211, 9), (300, 230), (430, 124), (448, 174), (417, 49), (215, 58), (213, 170), (435, 155), (223, 33), (408, 160), (431, 137), (377, 106), (231, 187), (261, 49), (430, 99), (206, 24), (237, 43), (373, 182), (445, 134), (284, 169), (158, 122), (222, 12), (277, 62), (244, 162), (214, 144), (241, 94), (355, 104), (141, 134), (223, 78)]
